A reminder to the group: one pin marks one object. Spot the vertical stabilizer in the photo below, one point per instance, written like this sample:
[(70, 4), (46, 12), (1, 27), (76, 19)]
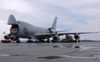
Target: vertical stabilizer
[(11, 20), (54, 23)]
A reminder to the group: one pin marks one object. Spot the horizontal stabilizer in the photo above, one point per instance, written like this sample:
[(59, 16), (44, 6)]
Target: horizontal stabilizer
[(63, 31), (11, 20)]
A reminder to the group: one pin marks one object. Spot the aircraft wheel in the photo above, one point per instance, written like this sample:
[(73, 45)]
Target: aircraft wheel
[(29, 41), (17, 41)]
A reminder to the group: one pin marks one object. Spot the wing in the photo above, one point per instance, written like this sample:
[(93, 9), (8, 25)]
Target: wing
[(66, 33), (59, 34), (76, 33)]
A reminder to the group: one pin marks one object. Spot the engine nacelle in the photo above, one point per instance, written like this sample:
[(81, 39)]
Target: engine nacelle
[(76, 37), (13, 38), (7, 36), (56, 38)]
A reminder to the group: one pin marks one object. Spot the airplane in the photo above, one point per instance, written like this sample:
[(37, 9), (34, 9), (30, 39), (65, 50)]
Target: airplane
[(20, 29)]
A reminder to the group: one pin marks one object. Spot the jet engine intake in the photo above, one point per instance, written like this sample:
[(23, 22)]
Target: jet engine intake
[(7, 36), (56, 38), (76, 37), (13, 38)]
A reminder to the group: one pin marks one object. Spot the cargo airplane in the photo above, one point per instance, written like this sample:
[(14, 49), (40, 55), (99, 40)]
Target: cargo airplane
[(20, 29)]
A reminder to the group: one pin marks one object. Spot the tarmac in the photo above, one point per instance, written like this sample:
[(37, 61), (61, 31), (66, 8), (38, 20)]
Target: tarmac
[(50, 52)]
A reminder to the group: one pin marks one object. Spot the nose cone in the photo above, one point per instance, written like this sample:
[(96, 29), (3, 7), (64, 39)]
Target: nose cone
[(11, 20)]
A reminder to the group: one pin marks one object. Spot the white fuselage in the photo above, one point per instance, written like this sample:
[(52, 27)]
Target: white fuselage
[(23, 29)]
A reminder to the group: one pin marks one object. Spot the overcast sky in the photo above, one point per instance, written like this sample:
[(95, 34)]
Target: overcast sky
[(76, 15)]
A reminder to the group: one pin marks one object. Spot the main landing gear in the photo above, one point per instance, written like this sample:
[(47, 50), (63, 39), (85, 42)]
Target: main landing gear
[(30, 41), (17, 41)]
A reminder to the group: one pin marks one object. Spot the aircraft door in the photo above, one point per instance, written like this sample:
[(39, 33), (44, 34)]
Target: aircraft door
[(25, 30)]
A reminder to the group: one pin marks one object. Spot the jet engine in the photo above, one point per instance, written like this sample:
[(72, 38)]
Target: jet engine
[(7, 36), (77, 37), (56, 38), (13, 38)]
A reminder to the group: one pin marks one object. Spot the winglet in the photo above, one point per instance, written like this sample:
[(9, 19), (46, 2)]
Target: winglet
[(11, 20), (54, 23)]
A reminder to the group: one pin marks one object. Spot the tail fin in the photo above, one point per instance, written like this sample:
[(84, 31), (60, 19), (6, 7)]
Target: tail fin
[(54, 23), (11, 20)]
